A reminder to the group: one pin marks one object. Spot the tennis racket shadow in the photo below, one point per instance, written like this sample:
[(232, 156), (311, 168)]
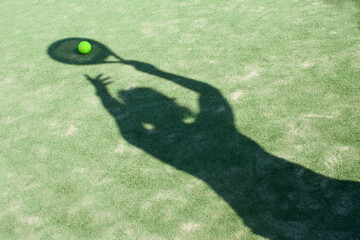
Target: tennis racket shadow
[(66, 51)]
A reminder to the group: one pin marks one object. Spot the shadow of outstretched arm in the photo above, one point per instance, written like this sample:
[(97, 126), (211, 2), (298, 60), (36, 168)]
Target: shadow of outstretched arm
[(114, 107), (129, 124)]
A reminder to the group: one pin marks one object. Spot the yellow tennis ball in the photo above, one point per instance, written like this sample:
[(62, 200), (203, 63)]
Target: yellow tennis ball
[(84, 47)]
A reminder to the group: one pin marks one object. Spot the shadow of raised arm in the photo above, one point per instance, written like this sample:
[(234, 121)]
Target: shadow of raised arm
[(111, 104)]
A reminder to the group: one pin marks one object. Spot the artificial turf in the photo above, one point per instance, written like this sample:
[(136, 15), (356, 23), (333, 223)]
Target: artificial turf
[(228, 120)]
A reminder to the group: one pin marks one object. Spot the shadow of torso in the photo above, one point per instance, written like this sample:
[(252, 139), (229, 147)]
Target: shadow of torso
[(277, 199)]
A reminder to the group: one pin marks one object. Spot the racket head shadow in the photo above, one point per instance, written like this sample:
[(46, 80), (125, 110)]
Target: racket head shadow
[(66, 51)]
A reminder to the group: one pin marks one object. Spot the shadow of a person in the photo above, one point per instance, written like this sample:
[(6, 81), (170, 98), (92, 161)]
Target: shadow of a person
[(277, 199)]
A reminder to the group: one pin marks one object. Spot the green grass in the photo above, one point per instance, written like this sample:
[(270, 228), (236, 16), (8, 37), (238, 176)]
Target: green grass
[(285, 167)]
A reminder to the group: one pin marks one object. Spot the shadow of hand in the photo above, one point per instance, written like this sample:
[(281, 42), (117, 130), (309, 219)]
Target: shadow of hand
[(99, 83)]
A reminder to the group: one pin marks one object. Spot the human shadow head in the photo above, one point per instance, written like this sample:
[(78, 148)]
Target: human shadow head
[(151, 106), (65, 51)]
